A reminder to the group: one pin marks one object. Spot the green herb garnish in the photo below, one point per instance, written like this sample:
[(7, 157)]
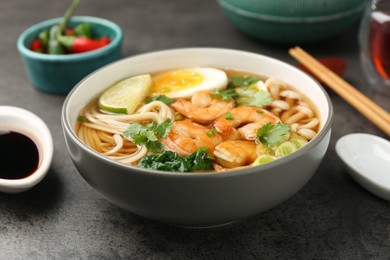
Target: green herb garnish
[(200, 160), (271, 134), (148, 134), (228, 116), (242, 81), (161, 98), (241, 90), (226, 94), (252, 97)]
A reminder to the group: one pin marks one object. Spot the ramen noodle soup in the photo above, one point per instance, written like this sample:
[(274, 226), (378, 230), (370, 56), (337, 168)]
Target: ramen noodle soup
[(198, 119)]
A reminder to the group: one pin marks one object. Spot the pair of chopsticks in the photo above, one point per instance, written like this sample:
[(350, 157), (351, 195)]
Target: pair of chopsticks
[(376, 114)]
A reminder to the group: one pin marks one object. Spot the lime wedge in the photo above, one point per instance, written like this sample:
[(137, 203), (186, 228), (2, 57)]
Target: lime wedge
[(125, 96), (262, 159), (285, 148)]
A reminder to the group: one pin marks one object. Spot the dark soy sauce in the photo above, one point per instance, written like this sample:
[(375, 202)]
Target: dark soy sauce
[(19, 156)]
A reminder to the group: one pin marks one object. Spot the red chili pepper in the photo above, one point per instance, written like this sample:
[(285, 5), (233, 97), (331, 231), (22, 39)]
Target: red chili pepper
[(69, 31), (36, 46), (81, 44), (84, 44), (335, 64), (104, 40)]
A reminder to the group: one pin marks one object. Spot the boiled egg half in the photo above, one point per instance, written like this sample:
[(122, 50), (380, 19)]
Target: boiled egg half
[(184, 83)]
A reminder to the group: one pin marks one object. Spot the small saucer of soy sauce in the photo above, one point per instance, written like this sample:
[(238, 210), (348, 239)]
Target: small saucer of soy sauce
[(26, 149)]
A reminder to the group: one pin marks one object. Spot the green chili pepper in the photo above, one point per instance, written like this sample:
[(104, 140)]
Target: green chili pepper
[(44, 37), (54, 46), (72, 8), (83, 30)]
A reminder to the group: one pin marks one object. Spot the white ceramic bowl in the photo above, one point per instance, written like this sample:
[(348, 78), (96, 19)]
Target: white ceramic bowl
[(23, 121), (194, 199)]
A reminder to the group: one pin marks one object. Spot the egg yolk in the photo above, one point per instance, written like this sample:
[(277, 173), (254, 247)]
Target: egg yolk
[(177, 80)]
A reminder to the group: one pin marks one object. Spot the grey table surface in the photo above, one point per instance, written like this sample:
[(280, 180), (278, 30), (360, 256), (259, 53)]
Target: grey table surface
[(332, 217)]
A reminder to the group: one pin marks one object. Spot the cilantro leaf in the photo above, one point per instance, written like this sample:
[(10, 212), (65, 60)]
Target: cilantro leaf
[(242, 81), (271, 134), (252, 97), (140, 139), (162, 130), (200, 160), (226, 94), (149, 134), (154, 146), (133, 130), (241, 90), (161, 98)]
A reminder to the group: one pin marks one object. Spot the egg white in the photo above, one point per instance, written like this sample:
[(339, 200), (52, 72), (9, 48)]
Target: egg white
[(212, 79)]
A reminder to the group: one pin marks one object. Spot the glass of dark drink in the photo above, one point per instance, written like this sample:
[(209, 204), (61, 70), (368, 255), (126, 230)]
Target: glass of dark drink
[(374, 38)]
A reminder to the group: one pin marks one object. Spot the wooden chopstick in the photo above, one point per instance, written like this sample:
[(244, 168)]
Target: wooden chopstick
[(372, 111)]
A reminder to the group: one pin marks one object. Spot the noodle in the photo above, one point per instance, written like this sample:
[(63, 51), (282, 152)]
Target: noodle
[(103, 132)]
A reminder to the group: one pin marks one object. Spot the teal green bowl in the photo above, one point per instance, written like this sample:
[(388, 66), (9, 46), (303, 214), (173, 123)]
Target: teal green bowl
[(292, 22), (58, 74)]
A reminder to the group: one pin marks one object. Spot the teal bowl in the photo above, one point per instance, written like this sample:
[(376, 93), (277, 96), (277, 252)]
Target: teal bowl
[(58, 74), (292, 22)]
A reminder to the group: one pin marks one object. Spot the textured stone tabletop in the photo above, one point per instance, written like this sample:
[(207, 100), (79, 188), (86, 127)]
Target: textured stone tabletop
[(332, 217)]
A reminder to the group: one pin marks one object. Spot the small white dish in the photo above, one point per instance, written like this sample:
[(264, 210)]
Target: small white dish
[(22, 121), (367, 159)]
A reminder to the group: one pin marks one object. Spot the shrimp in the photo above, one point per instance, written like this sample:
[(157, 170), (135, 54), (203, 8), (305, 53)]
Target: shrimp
[(186, 137), (231, 154), (252, 118), (202, 108)]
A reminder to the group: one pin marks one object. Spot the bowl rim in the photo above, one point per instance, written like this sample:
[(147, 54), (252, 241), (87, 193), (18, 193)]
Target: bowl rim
[(68, 129), (292, 19), (15, 185), (70, 57)]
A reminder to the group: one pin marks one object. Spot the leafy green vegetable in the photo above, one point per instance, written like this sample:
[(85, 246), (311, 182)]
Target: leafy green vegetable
[(161, 98), (166, 161), (228, 116), (200, 160), (271, 134), (252, 97), (226, 94), (148, 134), (242, 81)]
